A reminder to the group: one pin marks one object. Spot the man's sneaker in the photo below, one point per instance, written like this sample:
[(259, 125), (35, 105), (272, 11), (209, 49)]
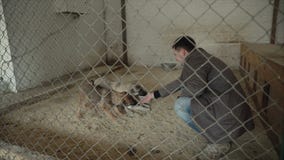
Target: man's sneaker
[(214, 151)]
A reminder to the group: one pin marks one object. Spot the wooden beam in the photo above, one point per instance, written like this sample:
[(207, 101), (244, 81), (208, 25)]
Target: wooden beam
[(124, 33), (274, 22)]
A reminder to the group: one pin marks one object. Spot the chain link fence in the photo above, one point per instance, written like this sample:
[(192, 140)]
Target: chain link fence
[(72, 74)]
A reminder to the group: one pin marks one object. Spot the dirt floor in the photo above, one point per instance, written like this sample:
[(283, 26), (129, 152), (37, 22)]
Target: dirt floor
[(51, 127)]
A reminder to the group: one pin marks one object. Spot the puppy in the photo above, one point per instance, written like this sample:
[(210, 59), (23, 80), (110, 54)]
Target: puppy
[(138, 91), (94, 95), (131, 91), (129, 100), (112, 98)]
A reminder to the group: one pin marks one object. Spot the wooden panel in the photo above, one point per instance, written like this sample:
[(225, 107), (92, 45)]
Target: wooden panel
[(264, 65)]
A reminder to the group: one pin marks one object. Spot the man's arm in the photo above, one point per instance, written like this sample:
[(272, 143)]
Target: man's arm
[(193, 79), (168, 89), (162, 92)]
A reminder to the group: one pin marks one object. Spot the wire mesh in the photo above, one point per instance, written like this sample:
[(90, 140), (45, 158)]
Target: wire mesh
[(73, 73)]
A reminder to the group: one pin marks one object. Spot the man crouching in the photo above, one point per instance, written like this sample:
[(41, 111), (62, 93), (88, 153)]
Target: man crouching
[(211, 100)]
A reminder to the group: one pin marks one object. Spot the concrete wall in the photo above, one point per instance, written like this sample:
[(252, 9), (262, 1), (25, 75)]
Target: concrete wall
[(154, 25), (45, 44)]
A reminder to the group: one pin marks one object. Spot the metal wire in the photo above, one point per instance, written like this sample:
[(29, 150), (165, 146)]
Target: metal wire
[(50, 49)]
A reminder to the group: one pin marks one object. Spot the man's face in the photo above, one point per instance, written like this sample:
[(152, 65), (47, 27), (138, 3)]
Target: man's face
[(180, 54)]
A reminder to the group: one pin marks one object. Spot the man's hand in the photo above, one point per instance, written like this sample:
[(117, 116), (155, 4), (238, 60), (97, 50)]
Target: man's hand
[(147, 98)]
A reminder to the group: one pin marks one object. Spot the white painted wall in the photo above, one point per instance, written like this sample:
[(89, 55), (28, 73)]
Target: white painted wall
[(154, 24), (45, 44), (7, 77), (71, 6)]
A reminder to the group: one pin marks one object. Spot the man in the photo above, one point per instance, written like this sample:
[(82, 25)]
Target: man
[(211, 101)]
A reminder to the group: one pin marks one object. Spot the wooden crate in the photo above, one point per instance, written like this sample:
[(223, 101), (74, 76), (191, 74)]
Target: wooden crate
[(264, 66)]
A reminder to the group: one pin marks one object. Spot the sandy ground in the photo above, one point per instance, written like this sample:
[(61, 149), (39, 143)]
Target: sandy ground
[(51, 127), (14, 152)]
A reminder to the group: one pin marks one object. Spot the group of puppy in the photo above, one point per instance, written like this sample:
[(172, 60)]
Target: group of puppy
[(111, 98)]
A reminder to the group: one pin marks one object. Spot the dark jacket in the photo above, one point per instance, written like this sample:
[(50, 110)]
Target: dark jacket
[(218, 103)]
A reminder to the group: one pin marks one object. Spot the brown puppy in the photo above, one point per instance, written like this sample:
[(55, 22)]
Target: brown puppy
[(108, 97), (94, 95)]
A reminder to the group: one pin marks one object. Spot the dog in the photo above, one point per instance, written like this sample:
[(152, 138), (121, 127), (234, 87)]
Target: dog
[(132, 93), (93, 96), (111, 98)]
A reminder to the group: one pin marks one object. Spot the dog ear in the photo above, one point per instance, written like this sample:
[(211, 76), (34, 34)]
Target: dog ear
[(98, 81), (92, 82), (141, 90)]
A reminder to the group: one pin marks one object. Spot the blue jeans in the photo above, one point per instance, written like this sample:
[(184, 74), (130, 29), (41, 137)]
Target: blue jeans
[(182, 108)]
